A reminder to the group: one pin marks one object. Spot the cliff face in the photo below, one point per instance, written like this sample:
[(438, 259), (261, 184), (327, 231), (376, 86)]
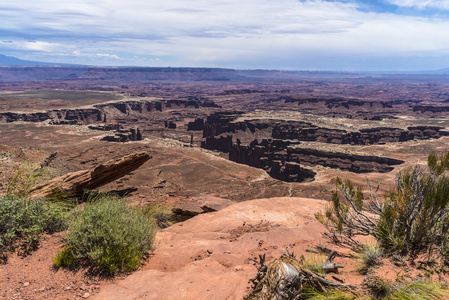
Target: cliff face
[(434, 111), (282, 159), (224, 124), (271, 156), (379, 135), (339, 102), (101, 112)]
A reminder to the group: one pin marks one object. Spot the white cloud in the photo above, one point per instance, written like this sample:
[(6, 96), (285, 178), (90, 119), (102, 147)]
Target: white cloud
[(39, 46), (422, 4), (218, 32), (107, 55)]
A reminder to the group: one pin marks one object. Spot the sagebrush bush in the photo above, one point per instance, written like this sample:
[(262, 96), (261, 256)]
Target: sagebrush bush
[(414, 215), (108, 234), (162, 214), (369, 257), (24, 220), (415, 290)]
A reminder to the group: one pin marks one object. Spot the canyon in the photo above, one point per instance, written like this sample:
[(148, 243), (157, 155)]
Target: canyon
[(243, 157)]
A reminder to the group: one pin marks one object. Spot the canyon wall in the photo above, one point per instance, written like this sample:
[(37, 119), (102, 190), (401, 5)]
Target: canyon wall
[(281, 154), (102, 112)]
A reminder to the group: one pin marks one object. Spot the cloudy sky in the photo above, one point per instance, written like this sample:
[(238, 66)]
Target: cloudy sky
[(243, 34)]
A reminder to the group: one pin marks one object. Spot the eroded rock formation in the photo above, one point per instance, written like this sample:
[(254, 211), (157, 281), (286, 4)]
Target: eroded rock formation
[(279, 154), (380, 135), (77, 182), (106, 112), (226, 123), (124, 135), (282, 159)]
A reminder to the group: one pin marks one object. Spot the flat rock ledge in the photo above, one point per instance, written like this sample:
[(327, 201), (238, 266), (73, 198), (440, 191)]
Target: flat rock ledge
[(212, 256)]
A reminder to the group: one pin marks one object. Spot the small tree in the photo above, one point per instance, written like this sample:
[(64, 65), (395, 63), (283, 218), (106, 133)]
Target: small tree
[(414, 214)]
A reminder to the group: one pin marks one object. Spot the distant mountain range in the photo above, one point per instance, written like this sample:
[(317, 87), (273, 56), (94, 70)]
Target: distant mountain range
[(435, 72), (12, 61)]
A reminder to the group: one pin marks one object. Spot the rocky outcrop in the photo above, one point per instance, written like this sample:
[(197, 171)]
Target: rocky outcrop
[(222, 143), (437, 110), (198, 124), (124, 135), (212, 255), (226, 123), (348, 162), (77, 182), (282, 160), (170, 124), (271, 156), (339, 102), (380, 135), (107, 127), (200, 205), (106, 112)]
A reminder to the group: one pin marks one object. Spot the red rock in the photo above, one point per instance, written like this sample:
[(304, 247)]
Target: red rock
[(77, 182), (196, 259)]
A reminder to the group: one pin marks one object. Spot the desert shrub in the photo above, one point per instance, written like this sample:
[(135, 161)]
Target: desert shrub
[(415, 290), (23, 220), (65, 258), (107, 234), (160, 213), (413, 216), (370, 256), (345, 220), (419, 290), (23, 179), (334, 294)]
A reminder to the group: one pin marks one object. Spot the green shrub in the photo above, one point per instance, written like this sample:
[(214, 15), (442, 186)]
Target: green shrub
[(413, 217), (162, 214), (25, 177), (65, 257), (419, 290), (108, 234), (23, 221), (370, 256), (415, 290), (333, 294)]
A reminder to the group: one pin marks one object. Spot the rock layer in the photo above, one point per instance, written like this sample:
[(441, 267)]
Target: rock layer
[(103, 112)]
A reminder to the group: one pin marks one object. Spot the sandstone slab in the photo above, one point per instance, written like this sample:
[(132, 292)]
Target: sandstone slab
[(212, 256), (77, 182)]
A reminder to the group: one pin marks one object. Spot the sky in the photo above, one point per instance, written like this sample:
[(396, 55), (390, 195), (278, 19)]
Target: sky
[(351, 35)]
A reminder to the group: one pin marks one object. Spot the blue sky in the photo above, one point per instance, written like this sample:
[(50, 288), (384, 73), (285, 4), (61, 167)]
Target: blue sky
[(245, 34)]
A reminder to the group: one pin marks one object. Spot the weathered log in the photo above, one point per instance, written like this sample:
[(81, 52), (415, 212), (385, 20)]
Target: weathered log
[(77, 182), (328, 266)]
